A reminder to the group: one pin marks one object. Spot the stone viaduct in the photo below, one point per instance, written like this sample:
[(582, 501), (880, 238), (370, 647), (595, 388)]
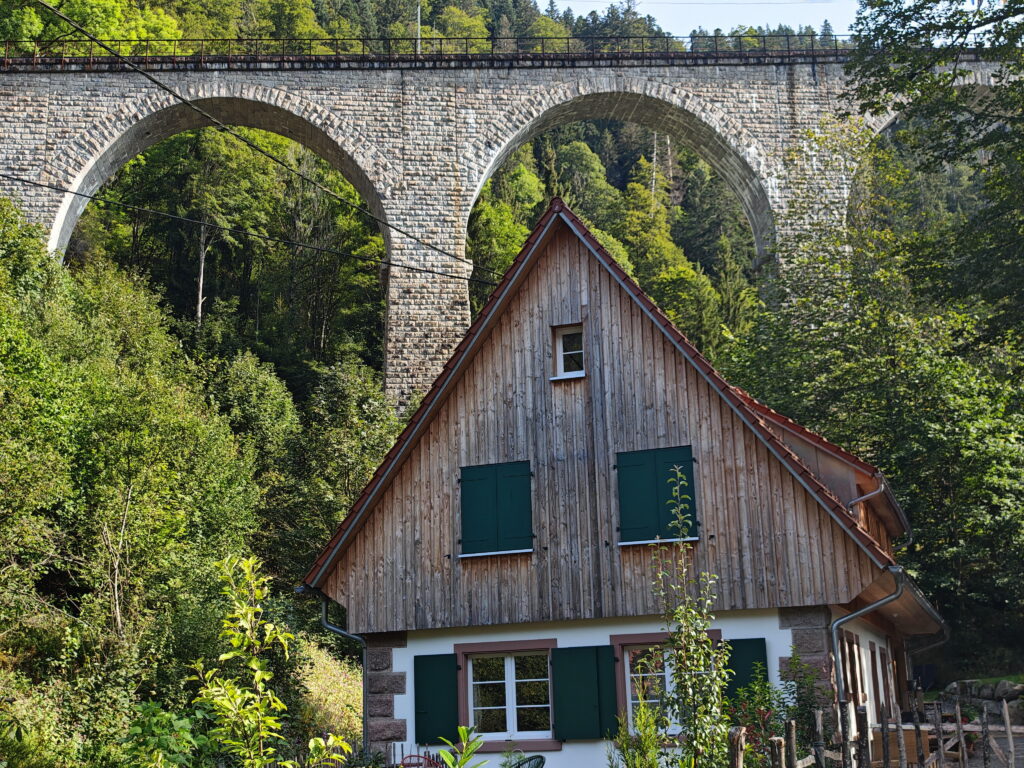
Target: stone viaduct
[(418, 140)]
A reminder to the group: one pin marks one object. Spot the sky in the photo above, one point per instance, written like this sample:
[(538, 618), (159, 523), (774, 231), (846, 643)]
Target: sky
[(680, 17)]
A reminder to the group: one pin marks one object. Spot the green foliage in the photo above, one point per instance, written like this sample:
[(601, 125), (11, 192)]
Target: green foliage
[(855, 346), (644, 746), (761, 708), (460, 754)]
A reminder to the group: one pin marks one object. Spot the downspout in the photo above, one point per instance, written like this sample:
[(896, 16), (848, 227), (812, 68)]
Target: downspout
[(883, 487), (326, 623), (900, 577)]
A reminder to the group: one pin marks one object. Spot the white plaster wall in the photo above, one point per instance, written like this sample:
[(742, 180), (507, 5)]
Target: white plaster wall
[(574, 754)]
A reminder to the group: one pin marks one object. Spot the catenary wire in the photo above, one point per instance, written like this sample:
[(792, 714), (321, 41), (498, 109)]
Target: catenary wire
[(252, 145), (239, 231)]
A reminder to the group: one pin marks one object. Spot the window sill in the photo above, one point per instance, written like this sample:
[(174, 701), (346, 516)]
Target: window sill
[(657, 541), (499, 552), (568, 376), (526, 745)]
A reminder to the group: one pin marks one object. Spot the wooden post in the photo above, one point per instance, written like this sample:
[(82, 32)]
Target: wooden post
[(846, 731), (985, 759), (737, 741), (961, 741), (1010, 749), (937, 717), (918, 735), (791, 744), (901, 743), (863, 739), (884, 724), (777, 747), (819, 739)]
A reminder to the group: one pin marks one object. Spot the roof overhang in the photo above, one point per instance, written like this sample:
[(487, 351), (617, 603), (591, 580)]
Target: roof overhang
[(911, 615)]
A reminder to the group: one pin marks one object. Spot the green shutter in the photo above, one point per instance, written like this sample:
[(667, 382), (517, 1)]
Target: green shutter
[(646, 506), (638, 496), (435, 697), (583, 692), (515, 514), (479, 493), (666, 460), (742, 657)]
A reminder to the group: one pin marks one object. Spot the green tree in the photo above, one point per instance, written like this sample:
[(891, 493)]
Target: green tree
[(853, 347)]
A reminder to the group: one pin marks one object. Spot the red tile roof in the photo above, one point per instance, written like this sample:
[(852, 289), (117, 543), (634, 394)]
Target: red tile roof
[(750, 411)]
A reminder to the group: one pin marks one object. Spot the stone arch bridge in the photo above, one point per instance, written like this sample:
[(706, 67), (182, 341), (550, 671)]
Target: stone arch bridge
[(419, 138)]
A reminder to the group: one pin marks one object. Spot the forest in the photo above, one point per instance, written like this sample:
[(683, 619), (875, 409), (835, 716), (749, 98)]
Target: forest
[(177, 396)]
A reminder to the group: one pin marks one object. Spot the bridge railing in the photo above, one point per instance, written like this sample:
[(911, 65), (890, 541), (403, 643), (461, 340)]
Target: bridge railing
[(75, 52)]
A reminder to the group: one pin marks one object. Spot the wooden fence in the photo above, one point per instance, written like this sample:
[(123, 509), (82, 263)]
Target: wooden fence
[(890, 745)]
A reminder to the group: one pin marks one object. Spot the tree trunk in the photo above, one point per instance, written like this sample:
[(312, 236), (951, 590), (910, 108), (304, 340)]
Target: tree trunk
[(202, 270)]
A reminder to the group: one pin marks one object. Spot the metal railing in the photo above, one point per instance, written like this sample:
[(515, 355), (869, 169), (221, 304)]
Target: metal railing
[(77, 54)]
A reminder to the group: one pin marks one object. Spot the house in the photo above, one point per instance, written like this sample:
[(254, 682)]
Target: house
[(498, 562)]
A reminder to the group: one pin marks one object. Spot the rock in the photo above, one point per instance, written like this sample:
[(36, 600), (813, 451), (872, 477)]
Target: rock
[(968, 688), (1016, 710), (952, 687), (1008, 690), (987, 691)]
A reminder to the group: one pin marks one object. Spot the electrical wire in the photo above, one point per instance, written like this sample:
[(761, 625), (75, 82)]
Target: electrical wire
[(239, 231), (252, 145)]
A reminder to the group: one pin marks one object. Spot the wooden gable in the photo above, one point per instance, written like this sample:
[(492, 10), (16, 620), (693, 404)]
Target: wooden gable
[(769, 528)]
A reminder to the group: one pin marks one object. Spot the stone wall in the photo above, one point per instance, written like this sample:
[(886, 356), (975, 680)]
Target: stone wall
[(418, 144), (382, 685), (987, 698)]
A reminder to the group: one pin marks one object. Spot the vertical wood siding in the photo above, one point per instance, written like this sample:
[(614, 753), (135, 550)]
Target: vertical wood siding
[(761, 532)]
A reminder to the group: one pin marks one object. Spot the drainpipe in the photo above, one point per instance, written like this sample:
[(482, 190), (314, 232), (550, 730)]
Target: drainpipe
[(326, 623), (883, 487), (900, 577)]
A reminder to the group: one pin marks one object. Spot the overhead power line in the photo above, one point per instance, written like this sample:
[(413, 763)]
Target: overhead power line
[(252, 145), (240, 231)]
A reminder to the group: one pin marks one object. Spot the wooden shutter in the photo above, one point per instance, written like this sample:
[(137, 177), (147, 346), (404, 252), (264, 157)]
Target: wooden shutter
[(515, 512), (583, 692), (638, 496), (646, 506), (742, 657), (435, 698), (665, 462), (478, 489)]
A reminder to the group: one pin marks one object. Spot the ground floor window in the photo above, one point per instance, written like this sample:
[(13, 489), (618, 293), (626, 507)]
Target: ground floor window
[(647, 678), (510, 695)]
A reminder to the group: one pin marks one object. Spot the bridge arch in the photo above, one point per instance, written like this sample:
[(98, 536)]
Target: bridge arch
[(719, 139), (84, 164)]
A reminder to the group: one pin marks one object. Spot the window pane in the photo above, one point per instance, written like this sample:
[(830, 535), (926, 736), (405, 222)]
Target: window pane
[(646, 661), (488, 668), (533, 719), (572, 342), (572, 361), (488, 694), (532, 667), (532, 693), (489, 720), (647, 686)]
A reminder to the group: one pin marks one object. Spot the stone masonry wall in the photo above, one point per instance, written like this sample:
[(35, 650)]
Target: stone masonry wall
[(382, 684), (418, 144)]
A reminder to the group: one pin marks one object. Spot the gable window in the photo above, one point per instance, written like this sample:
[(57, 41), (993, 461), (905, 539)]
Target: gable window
[(569, 352), (497, 514), (510, 696), (649, 498)]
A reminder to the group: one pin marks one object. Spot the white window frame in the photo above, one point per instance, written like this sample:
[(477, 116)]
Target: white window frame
[(560, 373), (673, 727), (511, 705)]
